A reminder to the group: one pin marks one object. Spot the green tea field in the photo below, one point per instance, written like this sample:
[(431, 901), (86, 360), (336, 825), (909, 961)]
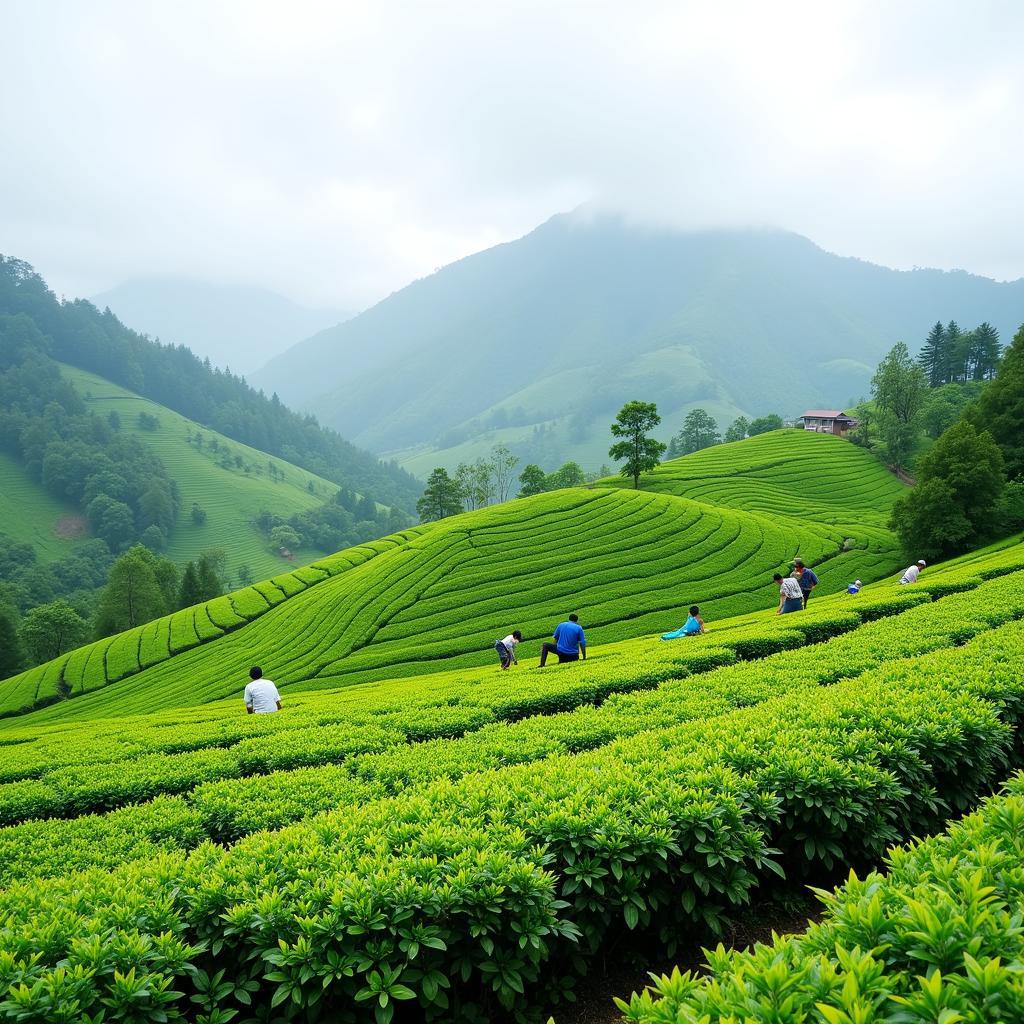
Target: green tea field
[(437, 596), (31, 515), (465, 843), (230, 490)]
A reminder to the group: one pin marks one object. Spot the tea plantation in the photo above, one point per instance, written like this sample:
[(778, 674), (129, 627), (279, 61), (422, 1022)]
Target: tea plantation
[(436, 597), (462, 844)]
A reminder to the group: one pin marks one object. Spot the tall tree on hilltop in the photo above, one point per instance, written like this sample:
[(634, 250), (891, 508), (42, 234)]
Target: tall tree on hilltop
[(737, 430), (531, 481), (1000, 409), (934, 356), (898, 388), (189, 593), (985, 351), (441, 497), (504, 463), (956, 355), (761, 425), (641, 452), (699, 431)]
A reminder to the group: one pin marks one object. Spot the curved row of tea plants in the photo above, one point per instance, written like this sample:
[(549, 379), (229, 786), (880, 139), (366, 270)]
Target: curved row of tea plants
[(438, 597), (938, 936), (384, 720), (490, 891)]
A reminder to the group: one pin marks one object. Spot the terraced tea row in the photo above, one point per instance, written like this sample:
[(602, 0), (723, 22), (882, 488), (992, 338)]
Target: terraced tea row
[(385, 718), (936, 937), (438, 597), (427, 894), (786, 473)]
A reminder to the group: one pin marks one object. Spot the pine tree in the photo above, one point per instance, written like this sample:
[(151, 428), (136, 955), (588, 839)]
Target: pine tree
[(11, 659), (956, 357), (189, 593), (985, 351), (933, 356), (1000, 409), (210, 585)]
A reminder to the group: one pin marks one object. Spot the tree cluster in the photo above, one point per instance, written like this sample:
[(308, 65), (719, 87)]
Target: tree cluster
[(700, 430), (533, 479), (79, 334), (969, 483), (950, 355)]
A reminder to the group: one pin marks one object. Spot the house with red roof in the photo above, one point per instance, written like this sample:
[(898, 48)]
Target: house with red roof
[(827, 421)]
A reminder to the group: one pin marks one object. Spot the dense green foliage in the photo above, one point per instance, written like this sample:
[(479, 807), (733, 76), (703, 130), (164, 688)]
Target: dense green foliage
[(899, 388), (936, 937), (439, 596), (411, 872), (960, 482), (171, 375), (949, 354), (1000, 409)]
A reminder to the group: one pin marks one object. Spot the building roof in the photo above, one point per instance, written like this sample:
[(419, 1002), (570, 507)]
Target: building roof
[(825, 414)]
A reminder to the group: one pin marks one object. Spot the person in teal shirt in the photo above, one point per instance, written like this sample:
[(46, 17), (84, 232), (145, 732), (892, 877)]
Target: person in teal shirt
[(693, 626), (569, 642)]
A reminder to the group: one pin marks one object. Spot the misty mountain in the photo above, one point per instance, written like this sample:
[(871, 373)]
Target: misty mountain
[(237, 327), (538, 342)]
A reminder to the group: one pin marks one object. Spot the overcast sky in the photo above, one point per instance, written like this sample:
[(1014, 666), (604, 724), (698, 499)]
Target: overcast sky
[(335, 151)]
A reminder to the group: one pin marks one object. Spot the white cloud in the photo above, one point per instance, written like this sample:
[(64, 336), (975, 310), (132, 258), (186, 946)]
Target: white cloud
[(333, 151)]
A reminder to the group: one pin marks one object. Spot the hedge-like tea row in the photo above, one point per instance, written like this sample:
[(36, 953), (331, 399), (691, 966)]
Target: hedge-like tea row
[(482, 892), (937, 937), (438, 596), (393, 719)]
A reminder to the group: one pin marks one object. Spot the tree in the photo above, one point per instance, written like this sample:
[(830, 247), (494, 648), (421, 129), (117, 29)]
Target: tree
[(531, 481), (934, 356), (11, 659), (899, 388), (244, 575), (984, 352), (761, 425), (673, 448), (699, 431), (641, 452), (504, 463), (1000, 409), (284, 538), (956, 355), (198, 514), (132, 595), (569, 474), (189, 592), (210, 569), (960, 483), (737, 429), (441, 497), (51, 629)]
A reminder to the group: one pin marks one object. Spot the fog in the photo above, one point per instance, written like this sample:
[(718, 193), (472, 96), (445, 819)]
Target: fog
[(333, 152)]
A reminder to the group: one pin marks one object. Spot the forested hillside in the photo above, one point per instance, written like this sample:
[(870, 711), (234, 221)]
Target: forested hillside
[(79, 334), (537, 343)]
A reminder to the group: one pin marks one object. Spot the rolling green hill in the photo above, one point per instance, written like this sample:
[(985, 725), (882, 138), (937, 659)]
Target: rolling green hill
[(437, 597), (231, 497), (558, 329)]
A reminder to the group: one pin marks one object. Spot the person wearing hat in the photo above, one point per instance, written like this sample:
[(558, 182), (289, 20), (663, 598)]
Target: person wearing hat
[(910, 576), (854, 587), (807, 580)]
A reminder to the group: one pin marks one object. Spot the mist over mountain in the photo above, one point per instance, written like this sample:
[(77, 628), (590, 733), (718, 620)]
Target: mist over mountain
[(234, 326), (537, 342)]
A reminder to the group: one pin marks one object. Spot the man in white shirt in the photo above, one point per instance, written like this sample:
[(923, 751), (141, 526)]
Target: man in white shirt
[(261, 696), (910, 576), (791, 599)]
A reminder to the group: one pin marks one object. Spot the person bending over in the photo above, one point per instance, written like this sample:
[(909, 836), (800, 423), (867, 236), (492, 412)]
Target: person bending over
[(507, 648), (790, 598), (261, 696), (569, 642)]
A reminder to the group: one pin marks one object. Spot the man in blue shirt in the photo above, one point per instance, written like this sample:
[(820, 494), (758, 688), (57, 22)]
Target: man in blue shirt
[(569, 641), (807, 580)]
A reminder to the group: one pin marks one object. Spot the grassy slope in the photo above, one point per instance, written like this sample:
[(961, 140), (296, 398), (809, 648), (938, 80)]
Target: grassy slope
[(230, 497), (437, 597), (30, 514)]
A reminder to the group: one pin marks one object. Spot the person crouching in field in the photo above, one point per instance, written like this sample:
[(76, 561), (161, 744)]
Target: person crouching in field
[(790, 597), (569, 641), (507, 648), (261, 696), (693, 626)]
